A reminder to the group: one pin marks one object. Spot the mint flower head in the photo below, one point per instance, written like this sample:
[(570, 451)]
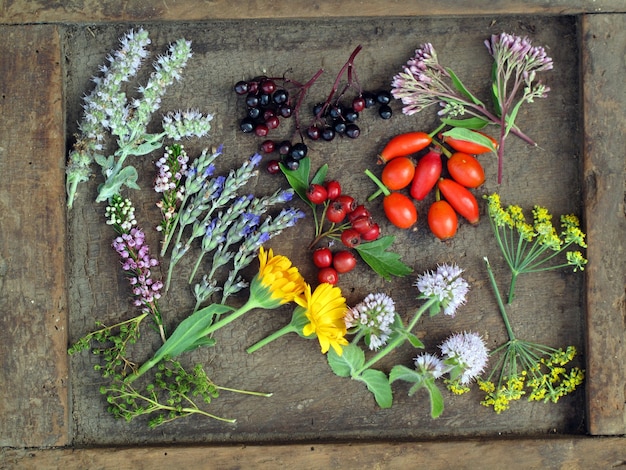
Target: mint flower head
[(467, 354), (446, 286), (430, 365), (373, 318)]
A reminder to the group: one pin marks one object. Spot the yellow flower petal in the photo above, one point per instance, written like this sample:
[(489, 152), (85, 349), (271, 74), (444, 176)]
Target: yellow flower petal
[(325, 309)]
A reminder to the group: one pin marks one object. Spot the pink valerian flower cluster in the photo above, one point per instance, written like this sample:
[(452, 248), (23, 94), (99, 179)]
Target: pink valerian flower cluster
[(137, 262), (519, 52)]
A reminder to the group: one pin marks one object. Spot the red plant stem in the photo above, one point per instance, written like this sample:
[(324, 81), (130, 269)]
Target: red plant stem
[(303, 89), (347, 66)]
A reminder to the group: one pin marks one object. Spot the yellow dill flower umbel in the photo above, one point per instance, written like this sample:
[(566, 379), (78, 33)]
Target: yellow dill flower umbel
[(325, 309), (277, 282)]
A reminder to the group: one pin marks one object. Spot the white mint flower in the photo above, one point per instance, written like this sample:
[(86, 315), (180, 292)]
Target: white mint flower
[(373, 317), (430, 364), (446, 285), (468, 352)]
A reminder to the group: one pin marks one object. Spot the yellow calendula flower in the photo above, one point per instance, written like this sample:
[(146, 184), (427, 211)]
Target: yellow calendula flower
[(325, 309), (277, 282)]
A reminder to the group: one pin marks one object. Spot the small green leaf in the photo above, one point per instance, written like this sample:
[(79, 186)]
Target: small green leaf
[(400, 372), (351, 360), (436, 399), (384, 263), (469, 136), (458, 84), (414, 340), (510, 118), (475, 123), (379, 385), (495, 94), (320, 175), (299, 179)]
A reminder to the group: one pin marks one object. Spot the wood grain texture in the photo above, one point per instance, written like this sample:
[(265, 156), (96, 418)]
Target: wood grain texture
[(604, 101), (90, 11), (549, 453), (33, 332)]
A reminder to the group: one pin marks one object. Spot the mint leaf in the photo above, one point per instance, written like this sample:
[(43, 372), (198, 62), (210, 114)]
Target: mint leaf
[(436, 399), (352, 359), (384, 263), (378, 384), (400, 372)]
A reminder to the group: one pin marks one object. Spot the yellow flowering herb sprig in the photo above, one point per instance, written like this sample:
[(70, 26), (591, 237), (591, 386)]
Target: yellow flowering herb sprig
[(529, 247), (524, 368)]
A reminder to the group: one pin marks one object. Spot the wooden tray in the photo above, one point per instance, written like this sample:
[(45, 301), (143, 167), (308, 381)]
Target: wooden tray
[(43, 282)]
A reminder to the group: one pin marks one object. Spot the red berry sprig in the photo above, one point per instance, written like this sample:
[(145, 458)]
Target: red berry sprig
[(350, 223)]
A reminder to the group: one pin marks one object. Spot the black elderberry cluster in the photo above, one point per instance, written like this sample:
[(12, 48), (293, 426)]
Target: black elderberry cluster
[(267, 103)]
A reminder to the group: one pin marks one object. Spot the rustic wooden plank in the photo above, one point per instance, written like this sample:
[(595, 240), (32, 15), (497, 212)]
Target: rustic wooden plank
[(572, 453), (33, 332), (27, 11), (604, 102)]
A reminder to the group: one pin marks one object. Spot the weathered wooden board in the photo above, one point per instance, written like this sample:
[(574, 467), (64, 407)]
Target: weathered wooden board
[(310, 402), (90, 11), (33, 281), (604, 62), (576, 453), (33, 401)]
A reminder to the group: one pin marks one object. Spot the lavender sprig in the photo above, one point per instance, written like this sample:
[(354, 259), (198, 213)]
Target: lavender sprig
[(248, 250), (217, 194), (196, 176)]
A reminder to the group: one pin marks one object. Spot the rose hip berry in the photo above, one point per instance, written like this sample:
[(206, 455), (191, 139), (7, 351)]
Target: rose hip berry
[(344, 261), (328, 275), (334, 189), (317, 194), (335, 212), (322, 257), (350, 237)]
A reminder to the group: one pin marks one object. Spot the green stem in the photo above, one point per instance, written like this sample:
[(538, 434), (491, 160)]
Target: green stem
[(245, 392), (505, 317), (397, 340), (379, 183), (512, 287), (196, 266), (268, 339)]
